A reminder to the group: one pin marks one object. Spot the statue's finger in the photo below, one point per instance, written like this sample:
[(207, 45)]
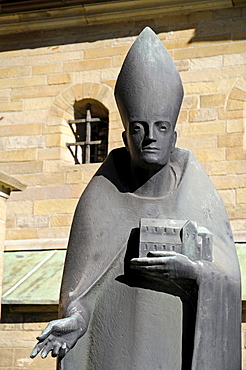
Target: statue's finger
[(56, 350), (139, 261), (46, 332), (63, 350), (155, 268), (162, 254), (34, 352), (47, 349), (38, 348), (151, 268), (145, 261)]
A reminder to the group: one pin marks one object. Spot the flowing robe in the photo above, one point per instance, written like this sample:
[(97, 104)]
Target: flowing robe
[(134, 325)]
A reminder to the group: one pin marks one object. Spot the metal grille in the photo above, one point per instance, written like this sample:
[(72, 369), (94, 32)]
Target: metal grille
[(91, 138)]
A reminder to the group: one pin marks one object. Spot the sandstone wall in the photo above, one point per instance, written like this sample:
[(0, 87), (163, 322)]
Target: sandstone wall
[(40, 84)]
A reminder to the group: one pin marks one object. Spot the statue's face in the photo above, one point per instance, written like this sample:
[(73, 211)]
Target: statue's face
[(150, 143)]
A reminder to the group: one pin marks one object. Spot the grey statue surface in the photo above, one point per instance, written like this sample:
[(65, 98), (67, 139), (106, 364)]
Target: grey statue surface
[(151, 278)]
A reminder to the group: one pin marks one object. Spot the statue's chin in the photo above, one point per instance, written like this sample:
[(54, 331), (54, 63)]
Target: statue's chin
[(149, 162)]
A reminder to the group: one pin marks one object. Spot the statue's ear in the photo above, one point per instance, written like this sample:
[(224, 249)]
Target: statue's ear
[(174, 140), (124, 139)]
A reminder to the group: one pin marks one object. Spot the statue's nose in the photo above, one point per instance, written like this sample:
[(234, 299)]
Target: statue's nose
[(150, 135)]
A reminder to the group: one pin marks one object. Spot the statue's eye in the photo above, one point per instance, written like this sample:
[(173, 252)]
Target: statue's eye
[(136, 127), (163, 126)]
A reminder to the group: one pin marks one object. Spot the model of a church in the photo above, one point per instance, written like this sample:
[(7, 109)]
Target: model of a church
[(180, 236)]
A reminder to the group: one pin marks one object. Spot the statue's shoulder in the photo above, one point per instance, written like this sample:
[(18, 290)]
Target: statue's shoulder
[(116, 157), (190, 173), (181, 156), (109, 177), (183, 160), (115, 168)]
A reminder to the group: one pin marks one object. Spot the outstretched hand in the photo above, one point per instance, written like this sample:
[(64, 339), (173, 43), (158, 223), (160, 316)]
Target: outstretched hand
[(60, 336), (170, 265)]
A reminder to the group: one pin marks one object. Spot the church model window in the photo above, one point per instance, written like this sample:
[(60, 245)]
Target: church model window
[(90, 129)]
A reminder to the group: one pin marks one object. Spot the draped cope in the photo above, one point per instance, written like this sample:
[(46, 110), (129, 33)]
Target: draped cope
[(134, 324)]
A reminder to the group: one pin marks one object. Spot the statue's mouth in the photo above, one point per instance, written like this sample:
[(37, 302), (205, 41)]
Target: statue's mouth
[(150, 149)]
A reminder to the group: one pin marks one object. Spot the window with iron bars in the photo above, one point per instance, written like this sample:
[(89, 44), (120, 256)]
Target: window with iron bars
[(90, 129)]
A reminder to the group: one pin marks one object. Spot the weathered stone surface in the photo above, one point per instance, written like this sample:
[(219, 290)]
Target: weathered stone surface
[(23, 142), (32, 221), (44, 207)]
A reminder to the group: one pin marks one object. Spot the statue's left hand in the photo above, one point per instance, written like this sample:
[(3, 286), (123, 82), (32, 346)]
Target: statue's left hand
[(170, 265), (60, 336)]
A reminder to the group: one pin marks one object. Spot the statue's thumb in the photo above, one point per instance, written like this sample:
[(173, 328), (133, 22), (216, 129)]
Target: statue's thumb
[(45, 332)]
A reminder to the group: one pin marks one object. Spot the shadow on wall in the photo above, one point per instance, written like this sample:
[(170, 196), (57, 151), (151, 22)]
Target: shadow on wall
[(216, 25)]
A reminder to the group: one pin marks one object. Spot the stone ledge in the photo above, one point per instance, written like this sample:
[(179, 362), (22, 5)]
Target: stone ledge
[(35, 244), (101, 13), (9, 183), (239, 236)]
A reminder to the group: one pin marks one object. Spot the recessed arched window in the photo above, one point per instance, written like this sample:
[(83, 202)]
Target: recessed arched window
[(90, 129)]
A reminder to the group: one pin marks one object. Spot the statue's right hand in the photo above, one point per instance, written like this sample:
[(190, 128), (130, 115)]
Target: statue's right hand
[(60, 336)]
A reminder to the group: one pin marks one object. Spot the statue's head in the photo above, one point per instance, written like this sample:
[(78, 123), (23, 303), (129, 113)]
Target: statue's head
[(149, 94)]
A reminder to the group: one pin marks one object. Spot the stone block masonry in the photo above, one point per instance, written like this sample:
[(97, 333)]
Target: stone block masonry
[(15, 343), (40, 85)]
